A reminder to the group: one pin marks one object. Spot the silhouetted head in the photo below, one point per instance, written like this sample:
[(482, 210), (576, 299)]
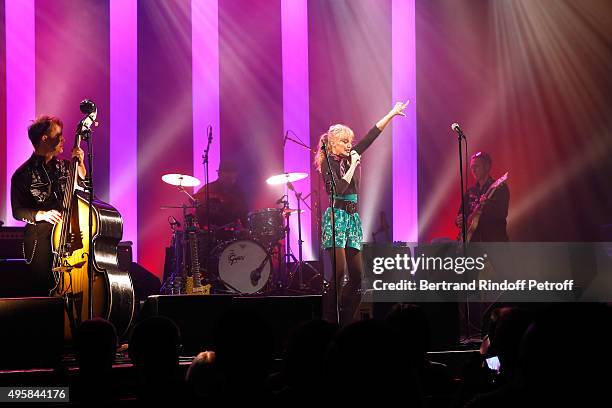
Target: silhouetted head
[(243, 344), (95, 345), (306, 351), (155, 344), (409, 323)]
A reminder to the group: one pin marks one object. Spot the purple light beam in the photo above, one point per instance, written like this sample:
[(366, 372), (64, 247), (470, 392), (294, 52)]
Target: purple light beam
[(294, 27), (20, 88), (205, 85), (405, 197), (123, 171)]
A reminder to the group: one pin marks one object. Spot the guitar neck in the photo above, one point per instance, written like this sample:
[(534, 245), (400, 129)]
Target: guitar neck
[(67, 200), (195, 261)]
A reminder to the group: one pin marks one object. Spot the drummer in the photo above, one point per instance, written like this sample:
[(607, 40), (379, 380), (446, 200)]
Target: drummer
[(227, 200)]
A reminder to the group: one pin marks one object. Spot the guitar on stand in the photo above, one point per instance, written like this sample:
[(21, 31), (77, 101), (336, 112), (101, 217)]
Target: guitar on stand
[(193, 280), (186, 278)]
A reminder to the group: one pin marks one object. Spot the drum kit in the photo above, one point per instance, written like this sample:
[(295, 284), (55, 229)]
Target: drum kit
[(233, 258)]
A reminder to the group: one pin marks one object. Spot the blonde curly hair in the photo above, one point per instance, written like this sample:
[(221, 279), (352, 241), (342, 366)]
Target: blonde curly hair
[(334, 133)]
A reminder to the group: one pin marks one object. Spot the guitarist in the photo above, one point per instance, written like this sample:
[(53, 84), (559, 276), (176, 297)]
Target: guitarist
[(37, 189), (492, 223)]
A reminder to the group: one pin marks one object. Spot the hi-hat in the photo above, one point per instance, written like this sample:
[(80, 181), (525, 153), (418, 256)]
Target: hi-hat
[(286, 178), (181, 180), (291, 211)]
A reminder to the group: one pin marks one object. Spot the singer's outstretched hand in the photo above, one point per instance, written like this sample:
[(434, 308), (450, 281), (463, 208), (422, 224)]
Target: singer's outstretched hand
[(398, 110)]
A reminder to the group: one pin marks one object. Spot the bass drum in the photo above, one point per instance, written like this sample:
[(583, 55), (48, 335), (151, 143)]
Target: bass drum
[(243, 266)]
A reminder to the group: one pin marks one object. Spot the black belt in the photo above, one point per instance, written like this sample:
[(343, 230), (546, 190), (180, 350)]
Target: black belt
[(348, 206)]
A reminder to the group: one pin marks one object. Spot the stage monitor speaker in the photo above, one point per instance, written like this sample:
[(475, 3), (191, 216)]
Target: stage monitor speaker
[(196, 315), (282, 313), (11, 239), (16, 278), (443, 317), (32, 332)]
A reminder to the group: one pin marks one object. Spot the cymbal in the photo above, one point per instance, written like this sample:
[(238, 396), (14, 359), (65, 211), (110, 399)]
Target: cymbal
[(291, 211), (286, 178), (180, 180)]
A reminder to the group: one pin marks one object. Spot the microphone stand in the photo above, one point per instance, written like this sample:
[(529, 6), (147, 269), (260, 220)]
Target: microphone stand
[(207, 189), (333, 222), (298, 142), (84, 130), (86, 136), (460, 138)]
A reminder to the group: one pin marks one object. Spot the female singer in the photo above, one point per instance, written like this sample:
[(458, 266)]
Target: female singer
[(344, 160)]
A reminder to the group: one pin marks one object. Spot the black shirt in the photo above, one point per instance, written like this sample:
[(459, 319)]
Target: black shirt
[(227, 204), (340, 165), (36, 186), (492, 223)]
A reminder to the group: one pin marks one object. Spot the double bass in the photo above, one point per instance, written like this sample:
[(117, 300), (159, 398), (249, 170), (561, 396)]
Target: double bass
[(110, 294)]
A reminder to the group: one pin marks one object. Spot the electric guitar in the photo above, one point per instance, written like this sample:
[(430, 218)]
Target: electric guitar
[(474, 218)]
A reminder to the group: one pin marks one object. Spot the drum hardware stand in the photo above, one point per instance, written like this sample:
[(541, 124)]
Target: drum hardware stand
[(279, 284), (299, 267), (174, 280), (299, 198), (325, 284), (175, 283), (275, 284), (317, 210)]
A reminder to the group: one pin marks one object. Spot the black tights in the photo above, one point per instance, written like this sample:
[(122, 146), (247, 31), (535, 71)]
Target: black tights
[(349, 261)]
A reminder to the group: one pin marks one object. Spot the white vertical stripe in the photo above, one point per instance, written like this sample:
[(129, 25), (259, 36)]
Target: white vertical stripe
[(294, 26), (405, 189), (123, 171), (205, 85), (20, 88)]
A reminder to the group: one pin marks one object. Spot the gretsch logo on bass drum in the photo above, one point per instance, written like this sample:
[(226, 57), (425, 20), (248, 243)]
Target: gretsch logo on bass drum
[(232, 258)]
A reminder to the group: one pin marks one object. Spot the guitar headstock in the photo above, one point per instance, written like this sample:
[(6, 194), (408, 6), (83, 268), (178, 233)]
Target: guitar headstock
[(500, 180)]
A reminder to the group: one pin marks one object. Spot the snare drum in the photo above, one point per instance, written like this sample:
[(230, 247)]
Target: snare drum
[(267, 225), (243, 266)]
